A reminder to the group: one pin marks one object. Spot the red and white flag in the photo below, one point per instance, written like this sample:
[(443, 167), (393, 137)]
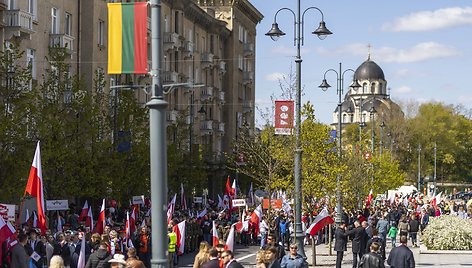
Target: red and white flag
[(183, 201), (436, 200), (127, 226), (132, 221), (100, 226), (34, 188), (233, 189), (179, 230), (89, 220), (256, 218), (216, 240), (84, 212), (369, 199), (170, 209), (230, 240), (6, 230), (81, 262), (59, 222), (319, 222), (240, 224)]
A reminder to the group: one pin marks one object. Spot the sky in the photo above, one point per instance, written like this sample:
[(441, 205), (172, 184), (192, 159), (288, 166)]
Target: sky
[(423, 46)]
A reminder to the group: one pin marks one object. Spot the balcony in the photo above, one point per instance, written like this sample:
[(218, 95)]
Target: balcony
[(206, 94), (172, 116), (222, 67), (248, 49), (207, 60), (171, 41), (248, 77), (62, 41), (170, 77), (18, 23), (188, 49), (221, 128), (206, 127), (221, 97), (248, 106)]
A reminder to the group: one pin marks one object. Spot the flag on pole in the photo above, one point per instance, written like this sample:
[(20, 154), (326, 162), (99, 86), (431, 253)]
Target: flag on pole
[(6, 230), (127, 38), (216, 240), (233, 189), (256, 218), (369, 199), (319, 222), (81, 262), (183, 201), (34, 188), (59, 222), (27, 216), (228, 194), (84, 212), (132, 221), (170, 209), (239, 226), (89, 220), (230, 240), (100, 225), (35, 219), (179, 230)]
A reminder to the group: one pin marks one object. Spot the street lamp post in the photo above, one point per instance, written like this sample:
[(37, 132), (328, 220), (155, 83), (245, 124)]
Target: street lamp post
[(382, 125), (340, 88), (419, 167), (274, 34), (372, 112)]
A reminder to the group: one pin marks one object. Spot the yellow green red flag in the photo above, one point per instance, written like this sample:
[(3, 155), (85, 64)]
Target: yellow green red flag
[(127, 38)]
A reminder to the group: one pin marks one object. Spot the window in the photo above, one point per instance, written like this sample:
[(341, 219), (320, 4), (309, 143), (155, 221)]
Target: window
[(101, 32), (344, 119), (351, 118), (11, 4), (240, 62), (31, 62), (68, 24), (372, 88), (241, 33), (196, 43), (32, 8), (54, 21), (364, 88)]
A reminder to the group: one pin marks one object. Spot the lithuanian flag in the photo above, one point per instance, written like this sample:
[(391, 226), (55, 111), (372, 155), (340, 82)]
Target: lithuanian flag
[(127, 38)]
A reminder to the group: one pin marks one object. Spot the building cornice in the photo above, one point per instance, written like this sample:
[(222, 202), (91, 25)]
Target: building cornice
[(244, 5)]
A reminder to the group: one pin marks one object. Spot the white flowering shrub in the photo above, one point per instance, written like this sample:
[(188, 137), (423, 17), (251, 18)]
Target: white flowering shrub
[(448, 233)]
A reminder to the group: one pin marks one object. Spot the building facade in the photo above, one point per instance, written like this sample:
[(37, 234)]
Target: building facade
[(208, 59)]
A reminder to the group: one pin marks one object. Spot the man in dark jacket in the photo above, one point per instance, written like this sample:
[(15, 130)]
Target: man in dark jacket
[(413, 229), (36, 249), (401, 256), (19, 257), (214, 261), (99, 258), (62, 249), (373, 258), (340, 245), (272, 242), (358, 242)]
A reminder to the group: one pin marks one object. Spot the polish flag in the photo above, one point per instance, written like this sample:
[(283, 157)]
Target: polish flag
[(59, 222), (81, 263), (256, 218), (369, 199), (216, 240), (100, 226), (233, 189), (34, 188), (179, 230), (84, 212), (170, 209), (240, 224), (436, 200), (230, 240), (132, 222), (89, 220), (183, 201), (6, 230), (319, 222)]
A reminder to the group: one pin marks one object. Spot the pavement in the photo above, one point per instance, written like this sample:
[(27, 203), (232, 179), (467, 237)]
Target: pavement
[(325, 258)]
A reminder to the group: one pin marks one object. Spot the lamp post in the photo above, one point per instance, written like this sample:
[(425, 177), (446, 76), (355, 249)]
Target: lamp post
[(382, 125), (419, 167), (340, 88), (372, 112), (274, 34), (434, 177)]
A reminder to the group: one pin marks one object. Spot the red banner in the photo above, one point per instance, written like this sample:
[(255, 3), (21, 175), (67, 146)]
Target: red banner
[(284, 117)]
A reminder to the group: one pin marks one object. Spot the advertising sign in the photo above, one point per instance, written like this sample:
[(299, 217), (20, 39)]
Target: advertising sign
[(284, 117)]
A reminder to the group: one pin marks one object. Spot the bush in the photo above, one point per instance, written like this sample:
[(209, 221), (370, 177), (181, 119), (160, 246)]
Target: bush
[(448, 233)]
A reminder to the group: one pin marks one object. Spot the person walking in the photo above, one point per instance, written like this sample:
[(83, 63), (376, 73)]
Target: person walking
[(143, 246), (263, 228), (271, 242), (373, 258), (413, 229), (340, 245), (392, 234), (401, 256)]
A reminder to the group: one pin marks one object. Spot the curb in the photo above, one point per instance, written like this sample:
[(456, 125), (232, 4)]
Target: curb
[(425, 250)]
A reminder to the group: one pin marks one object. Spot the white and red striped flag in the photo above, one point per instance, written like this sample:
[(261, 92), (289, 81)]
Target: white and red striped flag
[(6, 230), (84, 212), (234, 189), (59, 222), (230, 240), (170, 209), (256, 218), (89, 220), (215, 238), (183, 200), (132, 221), (319, 222), (34, 188), (81, 262), (100, 225), (179, 230), (369, 199)]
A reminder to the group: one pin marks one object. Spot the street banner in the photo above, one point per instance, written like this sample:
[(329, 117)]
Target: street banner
[(138, 200), (7, 212), (284, 117), (57, 204), (239, 202), (274, 203)]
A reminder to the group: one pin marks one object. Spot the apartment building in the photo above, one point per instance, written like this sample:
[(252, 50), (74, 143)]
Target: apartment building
[(208, 48)]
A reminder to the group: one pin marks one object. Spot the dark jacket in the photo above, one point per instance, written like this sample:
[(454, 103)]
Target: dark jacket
[(19, 257), (63, 250), (379, 240), (371, 260), (401, 257), (215, 263), (360, 239), (39, 248), (280, 250), (99, 259), (341, 240), (414, 226), (235, 264), (275, 264)]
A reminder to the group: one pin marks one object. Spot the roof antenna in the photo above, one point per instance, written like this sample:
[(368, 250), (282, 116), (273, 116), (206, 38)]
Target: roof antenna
[(369, 47)]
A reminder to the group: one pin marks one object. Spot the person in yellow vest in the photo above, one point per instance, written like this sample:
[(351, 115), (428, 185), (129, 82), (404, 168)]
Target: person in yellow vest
[(172, 245)]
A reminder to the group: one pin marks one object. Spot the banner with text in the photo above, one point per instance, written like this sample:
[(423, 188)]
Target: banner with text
[(7, 212), (284, 117), (57, 204)]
